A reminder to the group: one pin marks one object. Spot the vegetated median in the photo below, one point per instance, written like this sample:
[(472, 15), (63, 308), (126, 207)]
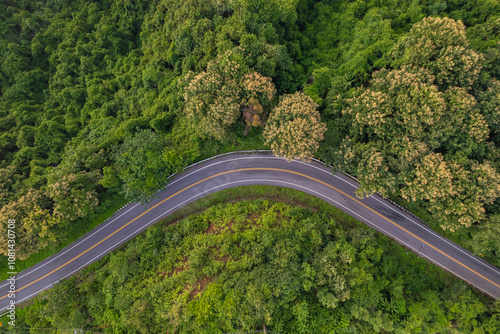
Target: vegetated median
[(258, 257)]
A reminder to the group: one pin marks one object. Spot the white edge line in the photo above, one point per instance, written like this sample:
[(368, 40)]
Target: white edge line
[(278, 158), (136, 204), (453, 273), (440, 237), (73, 245), (219, 162), (408, 216)]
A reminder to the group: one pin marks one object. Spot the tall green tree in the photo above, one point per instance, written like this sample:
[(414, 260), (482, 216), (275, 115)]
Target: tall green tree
[(141, 166)]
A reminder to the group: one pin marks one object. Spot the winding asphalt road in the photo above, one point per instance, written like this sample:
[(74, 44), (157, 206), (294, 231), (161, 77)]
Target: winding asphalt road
[(250, 169)]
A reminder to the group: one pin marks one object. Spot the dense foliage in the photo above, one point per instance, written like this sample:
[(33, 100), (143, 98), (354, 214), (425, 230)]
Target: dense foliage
[(410, 138), (91, 103), (255, 264), (294, 128), (99, 98), (214, 97), (422, 130)]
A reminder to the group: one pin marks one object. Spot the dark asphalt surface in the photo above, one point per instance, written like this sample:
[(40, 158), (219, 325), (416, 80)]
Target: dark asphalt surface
[(250, 169)]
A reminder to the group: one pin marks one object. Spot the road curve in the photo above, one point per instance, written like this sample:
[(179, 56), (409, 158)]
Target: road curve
[(251, 169)]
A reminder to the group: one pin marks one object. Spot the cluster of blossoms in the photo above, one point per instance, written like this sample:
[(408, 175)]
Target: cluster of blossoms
[(441, 46), (71, 199), (32, 223), (409, 123)]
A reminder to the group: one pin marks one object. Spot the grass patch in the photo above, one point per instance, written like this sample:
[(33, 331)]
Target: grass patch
[(253, 141)]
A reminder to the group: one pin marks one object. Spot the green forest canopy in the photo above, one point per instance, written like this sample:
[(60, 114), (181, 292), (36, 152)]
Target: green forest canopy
[(93, 101)]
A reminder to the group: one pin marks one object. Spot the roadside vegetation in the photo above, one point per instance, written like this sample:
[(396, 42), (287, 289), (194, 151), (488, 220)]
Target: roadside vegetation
[(100, 98), (289, 267), (100, 101)]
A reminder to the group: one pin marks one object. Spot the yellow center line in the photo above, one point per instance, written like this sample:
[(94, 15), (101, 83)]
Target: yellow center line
[(254, 169)]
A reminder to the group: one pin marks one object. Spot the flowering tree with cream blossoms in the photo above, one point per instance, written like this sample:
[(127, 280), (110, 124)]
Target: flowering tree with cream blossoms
[(441, 46), (416, 130), (42, 215), (73, 194), (35, 226), (213, 98), (409, 138), (294, 127)]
